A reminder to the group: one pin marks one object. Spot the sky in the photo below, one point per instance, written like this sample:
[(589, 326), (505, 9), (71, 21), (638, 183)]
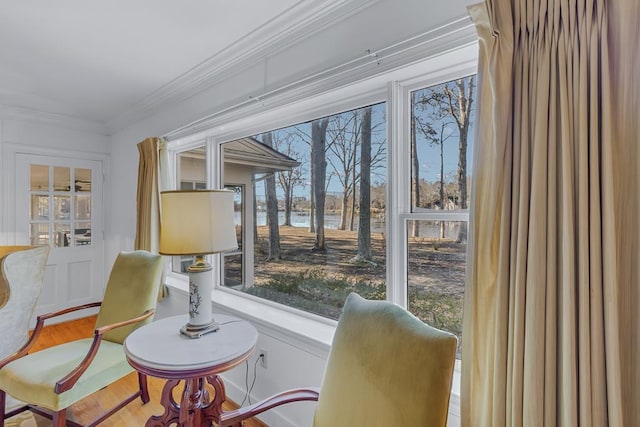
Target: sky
[(294, 141)]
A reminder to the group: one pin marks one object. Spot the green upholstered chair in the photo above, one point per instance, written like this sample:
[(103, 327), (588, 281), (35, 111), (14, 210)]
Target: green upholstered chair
[(385, 368), (51, 380)]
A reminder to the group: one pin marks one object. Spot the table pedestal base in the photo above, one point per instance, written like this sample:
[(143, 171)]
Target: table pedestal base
[(196, 408)]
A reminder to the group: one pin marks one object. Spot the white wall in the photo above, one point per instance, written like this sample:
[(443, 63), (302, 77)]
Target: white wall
[(53, 135)]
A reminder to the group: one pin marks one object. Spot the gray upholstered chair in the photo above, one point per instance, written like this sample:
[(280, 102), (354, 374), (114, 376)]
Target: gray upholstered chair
[(51, 380), (21, 275), (385, 368)]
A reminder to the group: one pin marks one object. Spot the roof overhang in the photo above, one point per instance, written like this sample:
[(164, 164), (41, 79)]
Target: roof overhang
[(256, 155)]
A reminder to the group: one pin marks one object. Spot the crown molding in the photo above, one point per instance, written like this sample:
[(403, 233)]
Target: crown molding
[(301, 21), (454, 35), (51, 118)]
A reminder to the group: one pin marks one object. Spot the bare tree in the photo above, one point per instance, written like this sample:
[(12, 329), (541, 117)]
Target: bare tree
[(343, 132), (319, 173), (272, 208), (443, 106), (418, 124), (305, 136), (458, 103), (343, 149), (289, 179)]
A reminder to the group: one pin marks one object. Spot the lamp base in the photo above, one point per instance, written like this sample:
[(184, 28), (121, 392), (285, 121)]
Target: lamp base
[(198, 331)]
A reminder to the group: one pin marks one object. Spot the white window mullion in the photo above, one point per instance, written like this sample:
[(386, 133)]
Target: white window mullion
[(215, 170), (214, 163), (397, 194)]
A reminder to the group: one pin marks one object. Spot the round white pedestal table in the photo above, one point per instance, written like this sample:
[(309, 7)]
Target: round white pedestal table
[(159, 349)]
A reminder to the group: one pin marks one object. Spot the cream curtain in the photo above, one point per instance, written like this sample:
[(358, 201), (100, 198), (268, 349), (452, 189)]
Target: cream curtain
[(152, 178), (551, 328)]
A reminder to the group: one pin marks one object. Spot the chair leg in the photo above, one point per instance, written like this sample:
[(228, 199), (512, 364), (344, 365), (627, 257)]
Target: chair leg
[(3, 402), (144, 389), (59, 418)]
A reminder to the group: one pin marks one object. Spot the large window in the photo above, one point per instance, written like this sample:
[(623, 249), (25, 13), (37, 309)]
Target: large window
[(317, 210), (317, 199)]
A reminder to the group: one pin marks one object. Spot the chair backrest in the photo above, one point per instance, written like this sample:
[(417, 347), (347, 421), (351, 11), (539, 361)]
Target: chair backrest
[(132, 288), (385, 368), (21, 275)]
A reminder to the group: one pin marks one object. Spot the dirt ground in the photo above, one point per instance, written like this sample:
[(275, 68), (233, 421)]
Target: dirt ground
[(433, 264)]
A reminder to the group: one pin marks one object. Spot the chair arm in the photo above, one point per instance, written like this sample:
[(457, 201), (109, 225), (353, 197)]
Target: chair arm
[(24, 350), (231, 418), (69, 380)]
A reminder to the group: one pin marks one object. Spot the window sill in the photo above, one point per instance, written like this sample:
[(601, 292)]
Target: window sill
[(301, 331)]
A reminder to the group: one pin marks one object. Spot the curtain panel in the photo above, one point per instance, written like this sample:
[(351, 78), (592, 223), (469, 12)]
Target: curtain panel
[(551, 300), (152, 178)]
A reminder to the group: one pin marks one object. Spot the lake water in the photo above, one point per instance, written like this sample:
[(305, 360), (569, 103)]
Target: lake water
[(428, 229), (330, 221)]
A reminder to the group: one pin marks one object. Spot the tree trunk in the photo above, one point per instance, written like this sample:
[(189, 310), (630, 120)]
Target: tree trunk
[(354, 174), (343, 210), (415, 171), (442, 202), (272, 209), (364, 224), (462, 181), (319, 161), (288, 202), (312, 191), (462, 168), (441, 191), (353, 201), (312, 210)]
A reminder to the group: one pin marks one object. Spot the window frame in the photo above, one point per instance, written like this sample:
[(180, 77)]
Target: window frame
[(400, 168)]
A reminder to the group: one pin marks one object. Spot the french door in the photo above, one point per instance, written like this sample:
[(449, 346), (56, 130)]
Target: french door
[(59, 204)]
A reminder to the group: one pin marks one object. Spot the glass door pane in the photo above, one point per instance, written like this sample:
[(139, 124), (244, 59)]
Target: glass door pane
[(64, 210)]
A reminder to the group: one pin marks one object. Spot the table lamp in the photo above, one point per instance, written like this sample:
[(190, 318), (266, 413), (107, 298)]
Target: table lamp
[(197, 223)]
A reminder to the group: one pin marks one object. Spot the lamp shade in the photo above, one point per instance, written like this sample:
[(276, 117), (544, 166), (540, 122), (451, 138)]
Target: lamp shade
[(197, 222)]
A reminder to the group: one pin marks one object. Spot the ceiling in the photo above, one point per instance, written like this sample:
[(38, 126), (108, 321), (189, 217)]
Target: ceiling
[(94, 61)]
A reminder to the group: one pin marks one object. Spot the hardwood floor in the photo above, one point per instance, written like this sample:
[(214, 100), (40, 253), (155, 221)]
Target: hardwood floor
[(135, 413)]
